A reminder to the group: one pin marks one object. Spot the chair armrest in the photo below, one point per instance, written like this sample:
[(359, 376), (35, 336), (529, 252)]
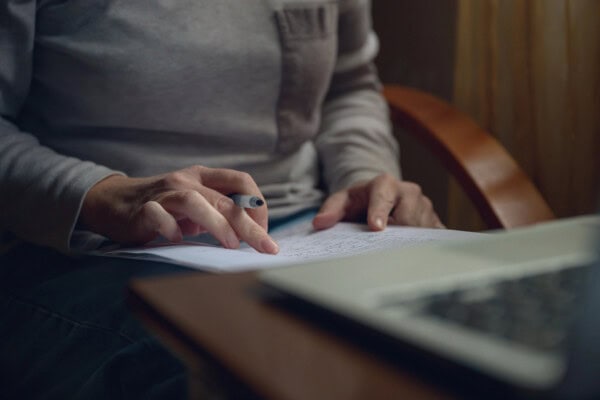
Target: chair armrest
[(498, 187)]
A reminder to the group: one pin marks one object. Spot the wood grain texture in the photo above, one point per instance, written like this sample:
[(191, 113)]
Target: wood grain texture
[(498, 187)]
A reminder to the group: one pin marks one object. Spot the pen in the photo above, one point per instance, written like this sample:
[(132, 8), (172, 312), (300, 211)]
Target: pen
[(246, 200)]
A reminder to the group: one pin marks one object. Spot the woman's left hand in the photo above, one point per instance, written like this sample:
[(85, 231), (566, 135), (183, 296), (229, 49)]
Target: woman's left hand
[(383, 200)]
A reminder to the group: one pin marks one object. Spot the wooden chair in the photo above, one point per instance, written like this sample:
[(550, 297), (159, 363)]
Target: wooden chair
[(499, 189)]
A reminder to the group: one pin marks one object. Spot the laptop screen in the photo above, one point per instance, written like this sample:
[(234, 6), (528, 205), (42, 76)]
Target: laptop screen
[(581, 378)]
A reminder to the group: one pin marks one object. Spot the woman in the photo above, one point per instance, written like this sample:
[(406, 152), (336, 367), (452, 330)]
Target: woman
[(129, 120)]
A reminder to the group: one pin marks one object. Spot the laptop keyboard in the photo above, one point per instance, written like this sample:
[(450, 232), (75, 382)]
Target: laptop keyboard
[(534, 311)]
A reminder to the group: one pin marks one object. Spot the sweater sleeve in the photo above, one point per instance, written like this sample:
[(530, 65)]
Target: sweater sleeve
[(355, 141), (40, 191)]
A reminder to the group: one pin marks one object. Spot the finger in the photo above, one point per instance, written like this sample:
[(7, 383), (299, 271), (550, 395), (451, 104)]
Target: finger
[(383, 197), (246, 228), (197, 209), (332, 211), (415, 209), (259, 214), (243, 223), (423, 214), (189, 228), (153, 219), (228, 181), (406, 212), (437, 222), (429, 217), (409, 209)]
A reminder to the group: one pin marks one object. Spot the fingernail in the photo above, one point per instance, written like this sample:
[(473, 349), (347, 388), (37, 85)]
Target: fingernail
[(379, 223), (269, 246)]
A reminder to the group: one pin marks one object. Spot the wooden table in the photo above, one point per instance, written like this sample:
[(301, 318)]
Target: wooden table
[(277, 354)]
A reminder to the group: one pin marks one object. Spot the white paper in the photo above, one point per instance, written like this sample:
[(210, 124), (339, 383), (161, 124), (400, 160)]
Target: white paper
[(297, 243)]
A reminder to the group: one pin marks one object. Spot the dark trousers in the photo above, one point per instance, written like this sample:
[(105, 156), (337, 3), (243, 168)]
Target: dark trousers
[(66, 332)]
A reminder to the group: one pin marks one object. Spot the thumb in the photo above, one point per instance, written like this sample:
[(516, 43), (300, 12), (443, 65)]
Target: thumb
[(332, 211)]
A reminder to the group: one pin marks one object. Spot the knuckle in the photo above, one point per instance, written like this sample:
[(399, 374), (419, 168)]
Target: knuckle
[(148, 215), (175, 179), (148, 208), (189, 196), (244, 178), (384, 178), (223, 204), (198, 168), (198, 171), (384, 199), (413, 188), (388, 177)]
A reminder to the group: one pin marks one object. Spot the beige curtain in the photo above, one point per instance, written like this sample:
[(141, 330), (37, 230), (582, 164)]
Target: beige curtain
[(529, 72)]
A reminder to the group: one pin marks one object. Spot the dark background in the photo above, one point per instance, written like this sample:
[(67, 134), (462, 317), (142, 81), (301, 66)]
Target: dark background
[(417, 43)]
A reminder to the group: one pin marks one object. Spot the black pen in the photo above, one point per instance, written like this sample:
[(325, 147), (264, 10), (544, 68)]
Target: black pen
[(246, 200)]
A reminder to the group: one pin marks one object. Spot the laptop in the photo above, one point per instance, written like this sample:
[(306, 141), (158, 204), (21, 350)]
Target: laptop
[(521, 307)]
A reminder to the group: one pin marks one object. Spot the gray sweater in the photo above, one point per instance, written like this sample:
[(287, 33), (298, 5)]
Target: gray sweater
[(284, 90)]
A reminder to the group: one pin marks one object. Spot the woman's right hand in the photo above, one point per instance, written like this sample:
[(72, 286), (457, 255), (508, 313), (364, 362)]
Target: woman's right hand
[(185, 202)]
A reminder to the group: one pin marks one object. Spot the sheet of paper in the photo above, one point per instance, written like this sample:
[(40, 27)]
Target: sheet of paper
[(298, 243)]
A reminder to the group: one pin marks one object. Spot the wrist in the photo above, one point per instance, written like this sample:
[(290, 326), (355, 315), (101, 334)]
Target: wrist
[(97, 200)]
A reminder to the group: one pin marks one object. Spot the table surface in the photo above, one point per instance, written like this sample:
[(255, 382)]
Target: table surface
[(278, 354)]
